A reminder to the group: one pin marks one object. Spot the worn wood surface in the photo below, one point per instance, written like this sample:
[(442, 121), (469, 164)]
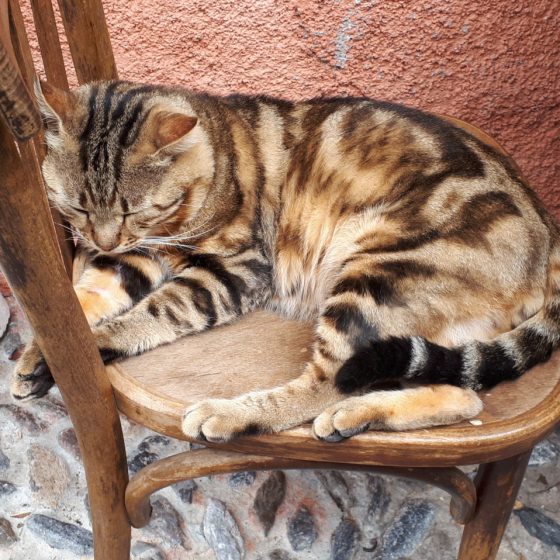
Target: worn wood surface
[(24, 62), (33, 152), (88, 38), (262, 350), (31, 263), (17, 43), (16, 106), (204, 462), (29, 254), (20, 45), (33, 157), (30, 159), (497, 486), (49, 43)]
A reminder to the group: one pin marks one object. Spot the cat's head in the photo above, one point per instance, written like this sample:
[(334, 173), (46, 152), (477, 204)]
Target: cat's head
[(126, 164)]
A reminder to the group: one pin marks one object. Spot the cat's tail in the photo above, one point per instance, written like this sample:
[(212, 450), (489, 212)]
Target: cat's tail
[(476, 365)]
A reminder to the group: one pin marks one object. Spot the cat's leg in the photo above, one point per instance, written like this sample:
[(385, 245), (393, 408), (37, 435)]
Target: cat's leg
[(32, 377), (405, 409), (111, 285), (209, 292), (107, 287)]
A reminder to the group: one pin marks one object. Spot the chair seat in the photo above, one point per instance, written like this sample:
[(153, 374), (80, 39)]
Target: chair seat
[(263, 350)]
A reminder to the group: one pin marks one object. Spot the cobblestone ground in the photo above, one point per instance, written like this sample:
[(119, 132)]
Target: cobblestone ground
[(260, 516)]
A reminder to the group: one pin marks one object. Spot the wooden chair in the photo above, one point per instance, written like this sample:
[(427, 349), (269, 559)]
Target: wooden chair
[(155, 388)]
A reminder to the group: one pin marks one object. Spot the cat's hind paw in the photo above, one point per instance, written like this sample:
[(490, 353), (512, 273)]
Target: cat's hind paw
[(28, 384), (218, 421)]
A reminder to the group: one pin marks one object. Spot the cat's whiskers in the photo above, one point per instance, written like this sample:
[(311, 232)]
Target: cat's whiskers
[(162, 241), (152, 249), (169, 240), (192, 233), (75, 234), (67, 228), (143, 250)]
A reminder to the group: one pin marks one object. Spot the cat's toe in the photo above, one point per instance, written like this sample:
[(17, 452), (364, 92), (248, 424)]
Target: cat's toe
[(336, 424), (468, 403), (324, 430), (34, 385), (217, 421), (193, 420)]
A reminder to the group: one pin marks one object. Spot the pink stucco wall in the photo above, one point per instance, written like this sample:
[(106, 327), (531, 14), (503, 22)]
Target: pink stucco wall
[(494, 63)]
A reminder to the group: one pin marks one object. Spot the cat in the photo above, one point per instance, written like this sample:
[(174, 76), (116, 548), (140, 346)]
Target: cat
[(418, 250)]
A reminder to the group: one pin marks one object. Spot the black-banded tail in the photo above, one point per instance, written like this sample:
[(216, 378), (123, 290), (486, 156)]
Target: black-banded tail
[(476, 365)]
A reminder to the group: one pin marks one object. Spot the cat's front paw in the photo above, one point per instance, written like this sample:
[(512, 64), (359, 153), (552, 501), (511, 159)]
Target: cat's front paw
[(218, 421), (339, 422), (409, 409), (32, 377), (106, 344)]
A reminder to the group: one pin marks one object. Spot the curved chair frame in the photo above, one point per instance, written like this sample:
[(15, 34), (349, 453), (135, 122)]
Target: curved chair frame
[(38, 275)]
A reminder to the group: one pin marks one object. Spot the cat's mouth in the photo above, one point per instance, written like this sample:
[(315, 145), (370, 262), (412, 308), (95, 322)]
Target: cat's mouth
[(145, 245), (121, 248)]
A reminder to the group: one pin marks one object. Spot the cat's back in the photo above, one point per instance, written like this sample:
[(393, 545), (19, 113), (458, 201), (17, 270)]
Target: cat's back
[(374, 178), (350, 153)]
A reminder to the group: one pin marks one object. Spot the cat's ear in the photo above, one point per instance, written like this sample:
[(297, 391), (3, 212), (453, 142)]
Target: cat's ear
[(170, 132), (56, 105)]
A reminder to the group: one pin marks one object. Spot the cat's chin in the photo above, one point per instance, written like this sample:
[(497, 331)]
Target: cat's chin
[(115, 251)]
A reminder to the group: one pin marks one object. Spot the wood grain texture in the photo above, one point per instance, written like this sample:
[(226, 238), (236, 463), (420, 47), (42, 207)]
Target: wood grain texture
[(20, 45), (497, 486), (49, 43), (33, 157), (88, 38), (16, 105), (263, 350), (38, 279), (204, 462), (30, 160)]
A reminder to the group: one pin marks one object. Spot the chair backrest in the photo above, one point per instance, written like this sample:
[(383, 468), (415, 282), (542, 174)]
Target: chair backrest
[(90, 48), (33, 253)]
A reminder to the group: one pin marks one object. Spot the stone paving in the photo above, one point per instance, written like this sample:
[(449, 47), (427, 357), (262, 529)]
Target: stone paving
[(292, 515)]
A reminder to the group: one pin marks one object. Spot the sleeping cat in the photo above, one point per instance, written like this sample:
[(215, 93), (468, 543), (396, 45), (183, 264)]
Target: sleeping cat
[(418, 251)]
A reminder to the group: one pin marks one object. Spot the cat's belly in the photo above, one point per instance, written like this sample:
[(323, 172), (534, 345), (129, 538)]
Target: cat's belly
[(311, 254), (302, 282), (301, 285)]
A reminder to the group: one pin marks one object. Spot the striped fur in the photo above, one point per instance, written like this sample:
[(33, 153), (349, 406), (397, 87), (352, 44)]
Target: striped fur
[(419, 251)]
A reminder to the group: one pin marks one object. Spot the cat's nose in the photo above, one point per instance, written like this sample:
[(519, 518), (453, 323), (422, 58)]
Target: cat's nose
[(106, 238), (106, 245), (106, 242)]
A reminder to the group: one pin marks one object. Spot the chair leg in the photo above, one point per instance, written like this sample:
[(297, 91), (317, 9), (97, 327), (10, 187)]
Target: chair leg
[(65, 339), (106, 475), (497, 486)]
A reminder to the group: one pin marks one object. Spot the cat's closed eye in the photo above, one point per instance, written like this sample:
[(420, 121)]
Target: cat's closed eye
[(165, 207)]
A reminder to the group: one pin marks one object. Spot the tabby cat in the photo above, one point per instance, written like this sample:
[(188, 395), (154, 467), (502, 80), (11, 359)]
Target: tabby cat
[(418, 250)]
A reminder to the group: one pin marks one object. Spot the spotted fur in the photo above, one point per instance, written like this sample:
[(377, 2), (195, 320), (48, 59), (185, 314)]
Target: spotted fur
[(418, 250)]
